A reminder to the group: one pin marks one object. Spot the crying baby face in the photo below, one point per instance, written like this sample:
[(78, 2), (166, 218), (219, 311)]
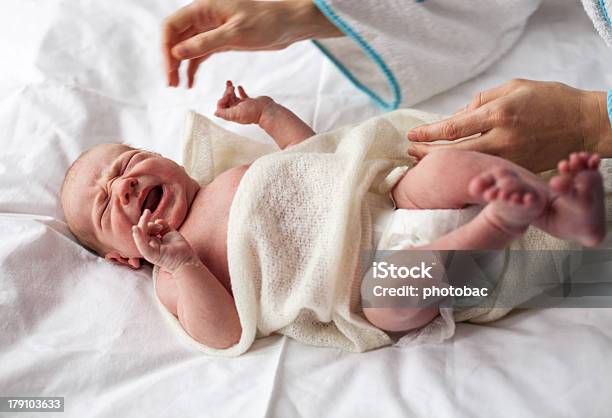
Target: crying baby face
[(107, 188)]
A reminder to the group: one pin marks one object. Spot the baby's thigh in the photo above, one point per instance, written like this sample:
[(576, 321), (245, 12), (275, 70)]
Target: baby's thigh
[(395, 302), (440, 180)]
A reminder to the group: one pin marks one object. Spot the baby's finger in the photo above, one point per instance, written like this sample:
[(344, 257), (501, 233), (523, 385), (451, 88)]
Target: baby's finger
[(242, 93), (154, 243), (161, 228), (144, 220), (229, 90), (140, 239), (155, 228), (227, 114), (166, 227), (223, 102)]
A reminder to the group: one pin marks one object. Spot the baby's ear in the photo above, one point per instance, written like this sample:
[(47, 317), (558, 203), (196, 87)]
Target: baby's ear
[(118, 259)]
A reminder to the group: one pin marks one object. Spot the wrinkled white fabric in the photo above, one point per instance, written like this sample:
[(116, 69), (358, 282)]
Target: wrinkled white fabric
[(73, 325)]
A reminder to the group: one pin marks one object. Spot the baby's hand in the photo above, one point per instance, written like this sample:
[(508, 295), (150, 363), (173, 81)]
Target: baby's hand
[(161, 245), (243, 109)]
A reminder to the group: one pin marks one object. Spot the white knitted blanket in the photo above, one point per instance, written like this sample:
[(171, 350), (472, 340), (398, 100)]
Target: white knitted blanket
[(297, 227)]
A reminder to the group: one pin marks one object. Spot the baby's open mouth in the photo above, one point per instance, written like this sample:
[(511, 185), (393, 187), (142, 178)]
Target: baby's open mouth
[(152, 200)]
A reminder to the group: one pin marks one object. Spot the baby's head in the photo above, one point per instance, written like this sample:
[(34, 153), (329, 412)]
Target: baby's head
[(108, 187)]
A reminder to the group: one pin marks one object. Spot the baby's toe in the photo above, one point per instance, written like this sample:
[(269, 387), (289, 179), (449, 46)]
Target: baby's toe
[(578, 161), (594, 161), (490, 194), (509, 184), (583, 184), (564, 166), (530, 199), (516, 198), (561, 184), (481, 183)]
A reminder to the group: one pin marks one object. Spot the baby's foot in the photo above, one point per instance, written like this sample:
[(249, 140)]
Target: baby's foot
[(513, 204), (578, 211)]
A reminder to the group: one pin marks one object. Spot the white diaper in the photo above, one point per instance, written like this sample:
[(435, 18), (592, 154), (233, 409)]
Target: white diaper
[(397, 229), (404, 228)]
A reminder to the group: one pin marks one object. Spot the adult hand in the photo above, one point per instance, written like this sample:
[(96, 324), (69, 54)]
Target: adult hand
[(535, 124), (204, 27)]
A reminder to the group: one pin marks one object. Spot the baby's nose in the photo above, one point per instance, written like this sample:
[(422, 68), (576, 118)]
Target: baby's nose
[(127, 189)]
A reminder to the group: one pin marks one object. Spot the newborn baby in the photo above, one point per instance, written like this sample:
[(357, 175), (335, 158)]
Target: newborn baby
[(127, 204)]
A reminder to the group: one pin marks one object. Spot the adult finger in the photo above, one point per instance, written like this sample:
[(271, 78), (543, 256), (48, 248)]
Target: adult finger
[(481, 144), (173, 27), (460, 126), (487, 96), (202, 44), (194, 64)]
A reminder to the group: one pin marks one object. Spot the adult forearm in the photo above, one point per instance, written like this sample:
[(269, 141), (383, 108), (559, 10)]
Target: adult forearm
[(205, 308), (284, 126), (597, 125)]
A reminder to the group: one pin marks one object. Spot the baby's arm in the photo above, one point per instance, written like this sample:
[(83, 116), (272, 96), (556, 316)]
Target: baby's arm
[(204, 307), (279, 122), (283, 125)]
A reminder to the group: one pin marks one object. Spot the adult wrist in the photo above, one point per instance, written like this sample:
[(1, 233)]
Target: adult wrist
[(308, 22), (597, 123)]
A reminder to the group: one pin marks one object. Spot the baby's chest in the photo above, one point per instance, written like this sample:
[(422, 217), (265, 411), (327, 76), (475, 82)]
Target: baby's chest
[(209, 213), (206, 225)]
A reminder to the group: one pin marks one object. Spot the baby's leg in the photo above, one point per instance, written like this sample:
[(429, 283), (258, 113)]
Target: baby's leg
[(573, 209), (513, 204), (441, 179)]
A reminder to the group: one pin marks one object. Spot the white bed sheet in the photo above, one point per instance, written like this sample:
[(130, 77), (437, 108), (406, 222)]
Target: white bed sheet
[(77, 73)]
